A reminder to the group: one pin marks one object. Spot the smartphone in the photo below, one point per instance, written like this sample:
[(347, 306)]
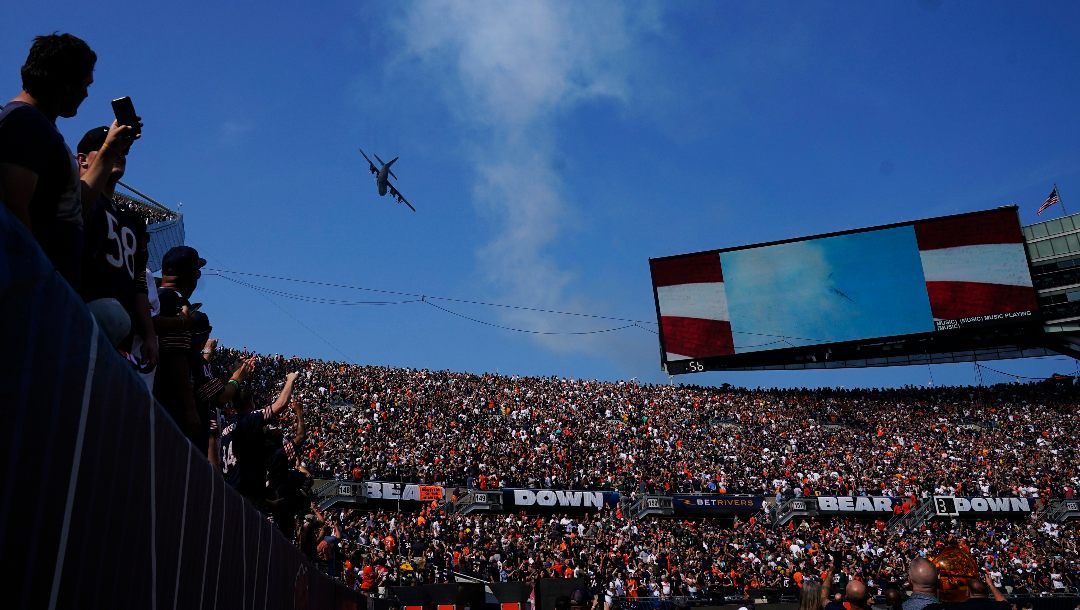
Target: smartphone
[(125, 111)]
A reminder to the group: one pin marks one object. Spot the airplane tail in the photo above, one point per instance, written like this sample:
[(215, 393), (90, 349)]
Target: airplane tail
[(390, 171)]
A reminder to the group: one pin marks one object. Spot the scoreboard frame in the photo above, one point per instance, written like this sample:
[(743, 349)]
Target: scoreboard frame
[(1015, 338)]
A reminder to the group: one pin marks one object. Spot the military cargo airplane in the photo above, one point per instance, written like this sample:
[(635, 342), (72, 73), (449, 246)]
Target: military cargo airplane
[(382, 178)]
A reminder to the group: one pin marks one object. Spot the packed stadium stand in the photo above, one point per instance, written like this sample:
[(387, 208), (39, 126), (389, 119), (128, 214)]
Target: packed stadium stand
[(491, 433)]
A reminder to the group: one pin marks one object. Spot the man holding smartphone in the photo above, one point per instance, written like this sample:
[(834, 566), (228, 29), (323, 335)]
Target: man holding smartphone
[(39, 178), (115, 254)]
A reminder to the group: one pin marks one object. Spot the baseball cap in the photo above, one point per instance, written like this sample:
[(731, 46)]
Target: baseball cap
[(182, 260), (93, 140), (112, 318)]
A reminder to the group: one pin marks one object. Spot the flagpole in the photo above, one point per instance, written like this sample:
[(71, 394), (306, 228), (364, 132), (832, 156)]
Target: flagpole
[(1063, 211)]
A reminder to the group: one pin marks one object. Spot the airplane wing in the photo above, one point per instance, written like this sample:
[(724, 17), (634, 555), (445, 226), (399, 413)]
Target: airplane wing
[(371, 166), (396, 194)]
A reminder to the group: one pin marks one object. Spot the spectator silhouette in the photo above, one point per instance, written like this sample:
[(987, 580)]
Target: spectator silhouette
[(180, 272), (39, 177)]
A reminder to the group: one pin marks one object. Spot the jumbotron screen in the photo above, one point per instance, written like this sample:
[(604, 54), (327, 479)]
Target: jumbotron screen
[(926, 276)]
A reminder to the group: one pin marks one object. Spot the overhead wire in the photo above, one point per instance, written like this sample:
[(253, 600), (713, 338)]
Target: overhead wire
[(1013, 375), (415, 297), (225, 273), (297, 320), (429, 297), (311, 299), (423, 299), (525, 330)]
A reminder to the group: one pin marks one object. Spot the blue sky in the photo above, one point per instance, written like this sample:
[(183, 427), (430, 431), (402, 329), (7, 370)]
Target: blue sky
[(551, 149), (855, 286)]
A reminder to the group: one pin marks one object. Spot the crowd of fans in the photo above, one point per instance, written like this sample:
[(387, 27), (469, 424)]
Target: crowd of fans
[(489, 431), (150, 213), (418, 426), (660, 558), (273, 424)]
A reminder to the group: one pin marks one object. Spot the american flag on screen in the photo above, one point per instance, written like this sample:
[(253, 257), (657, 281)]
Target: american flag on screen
[(1051, 200), (694, 318), (975, 266)]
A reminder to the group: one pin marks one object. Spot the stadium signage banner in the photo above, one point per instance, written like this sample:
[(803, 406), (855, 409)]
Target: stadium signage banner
[(530, 499), (716, 506), (848, 505), (403, 492), (993, 505), (429, 493), (857, 504)]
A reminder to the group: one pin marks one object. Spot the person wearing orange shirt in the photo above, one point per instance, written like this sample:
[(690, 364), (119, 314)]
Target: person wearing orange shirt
[(369, 579)]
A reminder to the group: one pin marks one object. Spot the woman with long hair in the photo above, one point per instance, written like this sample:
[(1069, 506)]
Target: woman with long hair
[(815, 592)]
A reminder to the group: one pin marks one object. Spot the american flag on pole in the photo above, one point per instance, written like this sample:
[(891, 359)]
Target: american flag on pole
[(1051, 200)]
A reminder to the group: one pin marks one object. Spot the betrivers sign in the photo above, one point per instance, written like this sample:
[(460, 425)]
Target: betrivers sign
[(883, 504)]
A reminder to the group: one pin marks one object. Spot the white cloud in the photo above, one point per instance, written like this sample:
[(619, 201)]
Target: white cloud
[(510, 71), (514, 64)]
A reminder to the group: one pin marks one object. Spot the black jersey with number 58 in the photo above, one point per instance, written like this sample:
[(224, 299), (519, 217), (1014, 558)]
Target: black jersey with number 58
[(114, 255)]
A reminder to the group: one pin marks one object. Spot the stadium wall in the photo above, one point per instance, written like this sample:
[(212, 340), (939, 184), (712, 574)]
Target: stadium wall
[(105, 504)]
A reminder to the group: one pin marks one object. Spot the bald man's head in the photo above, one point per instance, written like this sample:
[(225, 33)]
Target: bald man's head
[(923, 576), (855, 593)]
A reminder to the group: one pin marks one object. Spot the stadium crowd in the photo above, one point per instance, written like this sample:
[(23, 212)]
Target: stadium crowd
[(272, 424), (622, 557), (488, 431)]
